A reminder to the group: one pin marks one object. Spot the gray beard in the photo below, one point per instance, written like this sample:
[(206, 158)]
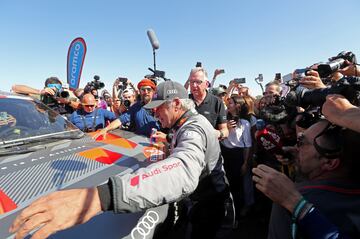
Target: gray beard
[(146, 99)]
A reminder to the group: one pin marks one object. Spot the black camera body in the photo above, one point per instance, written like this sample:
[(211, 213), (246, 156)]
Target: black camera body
[(326, 69), (126, 103), (61, 93), (121, 84), (96, 84), (156, 76), (335, 63), (349, 87)]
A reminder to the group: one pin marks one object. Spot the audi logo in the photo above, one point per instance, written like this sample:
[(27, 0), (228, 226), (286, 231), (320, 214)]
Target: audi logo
[(145, 225)]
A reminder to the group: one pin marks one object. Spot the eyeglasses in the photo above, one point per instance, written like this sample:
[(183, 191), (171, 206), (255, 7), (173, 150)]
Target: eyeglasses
[(89, 105), (196, 82), (144, 89)]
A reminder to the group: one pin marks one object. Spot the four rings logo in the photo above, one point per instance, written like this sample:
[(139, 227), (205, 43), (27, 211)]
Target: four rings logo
[(145, 225), (172, 92)]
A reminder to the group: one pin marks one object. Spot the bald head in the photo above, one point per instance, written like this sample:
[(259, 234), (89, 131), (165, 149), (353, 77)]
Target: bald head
[(88, 102), (88, 99)]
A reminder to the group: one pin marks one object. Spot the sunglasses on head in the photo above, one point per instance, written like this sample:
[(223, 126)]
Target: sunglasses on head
[(332, 133)]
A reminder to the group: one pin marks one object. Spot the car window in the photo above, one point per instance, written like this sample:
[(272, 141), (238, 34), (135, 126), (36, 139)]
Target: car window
[(24, 117)]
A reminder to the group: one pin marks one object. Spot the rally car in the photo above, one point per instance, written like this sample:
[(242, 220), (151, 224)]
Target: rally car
[(41, 152)]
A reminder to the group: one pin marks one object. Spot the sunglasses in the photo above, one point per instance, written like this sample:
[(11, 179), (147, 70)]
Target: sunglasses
[(332, 133), (146, 89), (57, 86), (89, 105)]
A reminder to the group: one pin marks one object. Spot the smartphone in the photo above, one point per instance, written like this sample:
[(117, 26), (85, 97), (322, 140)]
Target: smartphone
[(239, 80), (122, 79), (222, 71), (260, 77), (278, 76)]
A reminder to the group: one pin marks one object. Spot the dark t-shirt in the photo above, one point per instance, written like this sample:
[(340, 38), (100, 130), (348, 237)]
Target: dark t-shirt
[(338, 201), (212, 108)]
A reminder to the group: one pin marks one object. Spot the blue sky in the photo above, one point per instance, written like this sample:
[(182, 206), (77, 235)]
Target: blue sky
[(243, 37)]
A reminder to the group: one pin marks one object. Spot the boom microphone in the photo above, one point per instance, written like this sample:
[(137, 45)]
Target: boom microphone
[(153, 39)]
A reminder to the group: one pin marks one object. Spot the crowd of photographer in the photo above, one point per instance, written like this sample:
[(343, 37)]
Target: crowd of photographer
[(318, 110), (297, 144)]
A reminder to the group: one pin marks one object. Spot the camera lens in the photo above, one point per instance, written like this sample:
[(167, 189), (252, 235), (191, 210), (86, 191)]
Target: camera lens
[(127, 103)]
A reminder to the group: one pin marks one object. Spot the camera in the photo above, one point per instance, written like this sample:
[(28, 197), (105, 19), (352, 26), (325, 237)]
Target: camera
[(121, 83), (123, 79), (273, 109), (126, 103), (239, 80), (335, 63), (349, 87), (326, 69), (198, 64), (156, 76), (59, 90), (277, 77), (61, 93), (96, 84)]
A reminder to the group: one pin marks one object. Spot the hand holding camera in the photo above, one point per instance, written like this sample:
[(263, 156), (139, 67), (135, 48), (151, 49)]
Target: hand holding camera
[(312, 80), (218, 72), (350, 70), (47, 91)]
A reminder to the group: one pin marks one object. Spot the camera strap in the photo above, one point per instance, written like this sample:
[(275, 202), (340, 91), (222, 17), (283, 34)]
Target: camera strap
[(92, 129), (94, 121)]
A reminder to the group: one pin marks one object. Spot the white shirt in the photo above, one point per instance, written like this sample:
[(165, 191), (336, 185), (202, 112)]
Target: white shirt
[(240, 136)]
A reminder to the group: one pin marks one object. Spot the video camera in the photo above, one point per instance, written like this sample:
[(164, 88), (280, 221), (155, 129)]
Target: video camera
[(326, 69), (121, 84), (156, 76), (349, 87), (96, 84), (60, 91)]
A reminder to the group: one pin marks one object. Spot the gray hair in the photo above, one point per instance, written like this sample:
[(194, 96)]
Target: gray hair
[(197, 69), (186, 104), (276, 84)]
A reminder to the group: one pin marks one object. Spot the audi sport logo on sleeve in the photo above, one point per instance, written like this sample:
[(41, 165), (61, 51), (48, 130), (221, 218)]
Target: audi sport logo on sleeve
[(145, 225), (134, 181)]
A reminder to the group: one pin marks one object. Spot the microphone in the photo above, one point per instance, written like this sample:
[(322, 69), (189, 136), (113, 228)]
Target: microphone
[(153, 39), (267, 139)]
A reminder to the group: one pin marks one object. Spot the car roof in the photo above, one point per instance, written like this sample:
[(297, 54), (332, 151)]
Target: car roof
[(4, 94)]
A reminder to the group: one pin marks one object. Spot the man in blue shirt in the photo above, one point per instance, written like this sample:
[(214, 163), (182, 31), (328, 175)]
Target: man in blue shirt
[(89, 118), (140, 120)]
